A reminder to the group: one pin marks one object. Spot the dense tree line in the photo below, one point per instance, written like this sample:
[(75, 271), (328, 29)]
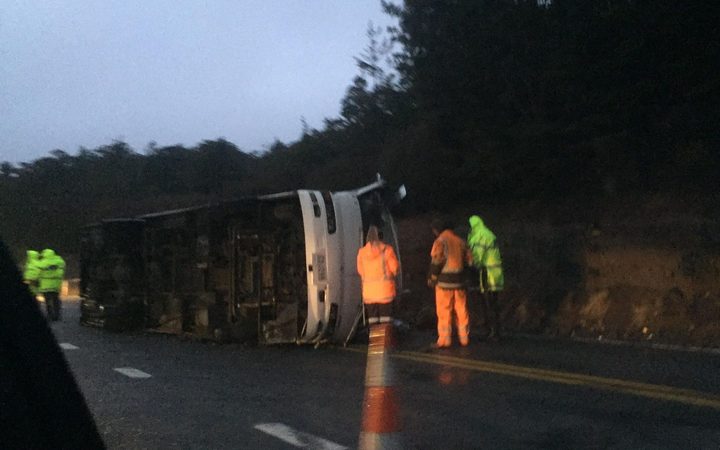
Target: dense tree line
[(485, 100), (580, 96), (46, 202)]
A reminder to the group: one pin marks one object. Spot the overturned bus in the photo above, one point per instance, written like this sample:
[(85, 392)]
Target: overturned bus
[(275, 268)]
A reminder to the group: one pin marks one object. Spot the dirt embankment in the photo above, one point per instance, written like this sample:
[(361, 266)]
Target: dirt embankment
[(646, 269)]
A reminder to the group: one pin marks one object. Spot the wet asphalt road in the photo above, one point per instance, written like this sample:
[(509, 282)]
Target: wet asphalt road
[(520, 393)]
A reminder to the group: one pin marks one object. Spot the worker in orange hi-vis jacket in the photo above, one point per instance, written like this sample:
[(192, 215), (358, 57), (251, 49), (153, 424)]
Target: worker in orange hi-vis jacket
[(449, 258), (378, 266)]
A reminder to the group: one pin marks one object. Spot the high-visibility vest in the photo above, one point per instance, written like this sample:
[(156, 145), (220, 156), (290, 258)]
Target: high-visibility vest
[(449, 257), (377, 266), (486, 256), (484, 247), (32, 266), (52, 271)]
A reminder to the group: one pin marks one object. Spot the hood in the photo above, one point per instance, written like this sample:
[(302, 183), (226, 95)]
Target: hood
[(373, 243), (373, 236), (375, 248), (476, 221), (47, 253)]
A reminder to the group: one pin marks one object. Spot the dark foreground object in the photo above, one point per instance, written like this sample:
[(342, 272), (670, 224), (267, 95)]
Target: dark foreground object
[(40, 403)]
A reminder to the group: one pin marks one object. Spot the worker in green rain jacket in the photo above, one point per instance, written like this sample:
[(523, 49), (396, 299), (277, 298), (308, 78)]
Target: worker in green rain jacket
[(52, 270), (31, 272), (486, 257)]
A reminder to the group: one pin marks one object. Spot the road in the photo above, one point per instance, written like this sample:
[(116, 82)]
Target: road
[(519, 393)]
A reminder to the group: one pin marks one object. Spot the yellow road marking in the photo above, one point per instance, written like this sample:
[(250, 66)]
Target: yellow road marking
[(655, 391)]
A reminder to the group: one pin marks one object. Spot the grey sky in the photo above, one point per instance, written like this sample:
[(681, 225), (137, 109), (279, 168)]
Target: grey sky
[(86, 72)]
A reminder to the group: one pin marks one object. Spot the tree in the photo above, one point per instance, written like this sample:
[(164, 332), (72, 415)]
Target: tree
[(7, 169)]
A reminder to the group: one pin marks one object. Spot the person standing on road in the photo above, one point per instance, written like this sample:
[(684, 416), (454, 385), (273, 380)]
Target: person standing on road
[(448, 259), (31, 272), (52, 270), (377, 266), (486, 257)]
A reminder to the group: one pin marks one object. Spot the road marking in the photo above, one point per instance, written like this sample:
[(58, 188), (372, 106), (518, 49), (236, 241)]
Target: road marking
[(297, 438), (68, 346), (132, 373), (654, 391), (621, 343)]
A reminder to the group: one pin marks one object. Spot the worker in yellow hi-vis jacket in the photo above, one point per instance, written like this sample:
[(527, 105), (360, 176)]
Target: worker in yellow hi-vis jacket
[(486, 257), (31, 271), (52, 271)]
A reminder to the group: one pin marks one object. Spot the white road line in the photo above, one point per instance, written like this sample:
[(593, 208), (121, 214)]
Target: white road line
[(297, 438), (132, 373), (68, 346)]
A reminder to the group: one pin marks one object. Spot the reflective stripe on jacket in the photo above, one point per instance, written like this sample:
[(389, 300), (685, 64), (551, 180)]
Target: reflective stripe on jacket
[(377, 266), (449, 257)]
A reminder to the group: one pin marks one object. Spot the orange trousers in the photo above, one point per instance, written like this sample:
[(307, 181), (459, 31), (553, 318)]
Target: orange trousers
[(447, 301)]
